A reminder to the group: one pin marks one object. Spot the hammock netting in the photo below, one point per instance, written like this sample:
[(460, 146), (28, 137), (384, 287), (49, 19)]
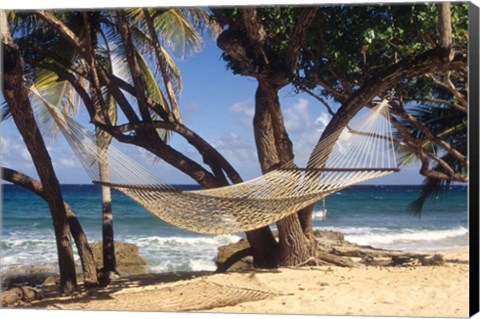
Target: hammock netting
[(360, 152)]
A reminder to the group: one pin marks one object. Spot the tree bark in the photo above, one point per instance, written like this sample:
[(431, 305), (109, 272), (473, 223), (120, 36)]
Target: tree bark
[(17, 98), (275, 149), (162, 62), (84, 251), (444, 25), (245, 44), (108, 246)]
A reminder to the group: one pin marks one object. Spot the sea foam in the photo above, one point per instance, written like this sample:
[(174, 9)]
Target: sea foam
[(418, 239)]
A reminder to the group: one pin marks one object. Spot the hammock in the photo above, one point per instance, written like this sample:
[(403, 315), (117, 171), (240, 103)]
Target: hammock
[(362, 151)]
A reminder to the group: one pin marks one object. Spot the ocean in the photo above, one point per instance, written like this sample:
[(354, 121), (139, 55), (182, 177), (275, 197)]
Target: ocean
[(367, 215)]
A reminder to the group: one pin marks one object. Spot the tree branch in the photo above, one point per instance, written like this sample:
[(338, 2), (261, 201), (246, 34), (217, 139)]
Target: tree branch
[(255, 32), (421, 64), (195, 140), (416, 146), (440, 101), (305, 19), (64, 74), (65, 31), (81, 241), (162, 62), (133, 65), (398, 110), (444, 25), (96, 90), (449, 87)]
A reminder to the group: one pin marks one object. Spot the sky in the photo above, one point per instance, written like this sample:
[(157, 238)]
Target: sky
[(218, 106)]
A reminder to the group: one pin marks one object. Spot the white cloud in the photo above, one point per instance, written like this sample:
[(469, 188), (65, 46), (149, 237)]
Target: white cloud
[(245, 111), (322, 121), (240, 153), (68, 163), (304, 131), (297, 117), (14, 150), (14, 154)]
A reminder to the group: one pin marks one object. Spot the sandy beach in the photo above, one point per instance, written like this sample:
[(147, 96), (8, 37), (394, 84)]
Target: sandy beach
[(364, 290)]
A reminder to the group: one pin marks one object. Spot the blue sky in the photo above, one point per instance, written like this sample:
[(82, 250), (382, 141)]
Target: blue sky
[(218, 106)]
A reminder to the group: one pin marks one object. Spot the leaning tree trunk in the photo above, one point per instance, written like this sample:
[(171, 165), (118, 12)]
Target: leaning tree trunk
[(17, 98), (90, 278), (275, 149)]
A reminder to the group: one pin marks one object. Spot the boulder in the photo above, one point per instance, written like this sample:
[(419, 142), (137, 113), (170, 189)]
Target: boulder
[(127, 257), (17, 295), (224, 252)]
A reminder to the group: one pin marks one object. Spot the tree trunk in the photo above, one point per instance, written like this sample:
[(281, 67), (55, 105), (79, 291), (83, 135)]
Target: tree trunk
[(264, 248), (275, 149), (444, 25), (90, 278), (86, 256), (108, 250), (17, 98)]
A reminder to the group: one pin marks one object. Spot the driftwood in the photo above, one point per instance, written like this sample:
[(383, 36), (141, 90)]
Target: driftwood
[(333, 249)]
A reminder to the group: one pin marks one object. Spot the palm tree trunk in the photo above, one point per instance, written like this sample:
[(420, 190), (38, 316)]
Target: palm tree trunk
[(16, 96), (108, 242), (89, 268)]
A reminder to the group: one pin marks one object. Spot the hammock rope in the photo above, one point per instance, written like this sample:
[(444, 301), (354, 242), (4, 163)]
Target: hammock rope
[(362, 151)]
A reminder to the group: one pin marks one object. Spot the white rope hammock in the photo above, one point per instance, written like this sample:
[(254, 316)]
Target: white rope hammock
[(362, 151)]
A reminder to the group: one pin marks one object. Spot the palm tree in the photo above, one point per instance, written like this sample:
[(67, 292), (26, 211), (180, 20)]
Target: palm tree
[(16, 95), (446, 123), (109, 40), (101, 33)]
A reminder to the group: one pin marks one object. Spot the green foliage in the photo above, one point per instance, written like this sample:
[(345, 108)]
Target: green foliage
[(179, 30), (278, 23), (355, 41), (347, 44)]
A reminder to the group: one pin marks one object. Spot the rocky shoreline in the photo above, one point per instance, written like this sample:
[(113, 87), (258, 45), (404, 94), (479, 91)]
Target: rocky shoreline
[(33, 282), (24, 284), (334, 250)]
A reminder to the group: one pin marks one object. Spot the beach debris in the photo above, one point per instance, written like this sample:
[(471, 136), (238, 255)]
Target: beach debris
[(333, 249), (400, 260), (16, 295), (435, 260)]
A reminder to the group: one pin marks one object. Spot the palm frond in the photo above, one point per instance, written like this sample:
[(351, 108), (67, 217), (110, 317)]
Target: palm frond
[(431, 187), (5, 112), (177, 33), (172, 70), (154, 92)]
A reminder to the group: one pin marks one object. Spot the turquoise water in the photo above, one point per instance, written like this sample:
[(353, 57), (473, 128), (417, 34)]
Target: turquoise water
[(371, 215)]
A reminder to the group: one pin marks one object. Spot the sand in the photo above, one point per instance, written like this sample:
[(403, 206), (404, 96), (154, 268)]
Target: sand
[(387, 291)]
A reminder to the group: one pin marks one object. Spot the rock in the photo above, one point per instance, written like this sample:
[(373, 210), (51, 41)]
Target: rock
[(20, 279), (15, 295), (30, 294), (224, 252), (333, 249), (51, 280), (11, 297), (435, 260), (127, 257)]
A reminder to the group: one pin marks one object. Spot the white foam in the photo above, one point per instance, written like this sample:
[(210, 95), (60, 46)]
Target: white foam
[(407, 235), (181, 253), (425, 239)]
